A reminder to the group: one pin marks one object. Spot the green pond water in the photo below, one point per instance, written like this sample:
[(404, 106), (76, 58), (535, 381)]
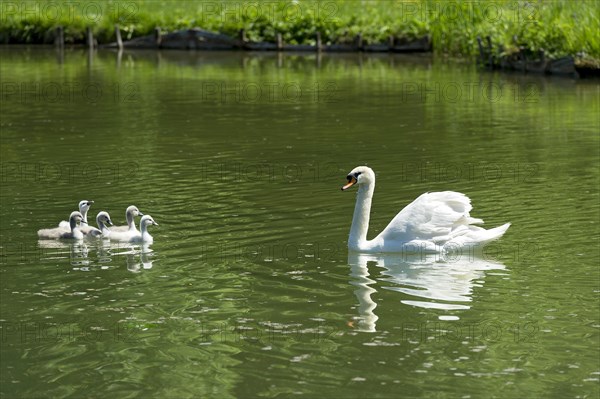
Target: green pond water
[(249, 289)]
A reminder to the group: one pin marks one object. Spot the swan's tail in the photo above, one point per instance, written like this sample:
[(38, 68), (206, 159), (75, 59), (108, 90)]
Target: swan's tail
[(469, 234), (491, 234)]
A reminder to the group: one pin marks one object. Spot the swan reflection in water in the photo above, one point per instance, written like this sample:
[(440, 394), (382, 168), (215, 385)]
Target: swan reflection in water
[(145, 259), (138, 257), (76, 251), (428, 280)]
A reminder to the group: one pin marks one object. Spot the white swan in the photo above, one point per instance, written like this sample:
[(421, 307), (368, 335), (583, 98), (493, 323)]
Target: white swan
[(144, 236), (84, 207), (103, 221), (130, 213), (60, 233), (136, 236), (434, 222)]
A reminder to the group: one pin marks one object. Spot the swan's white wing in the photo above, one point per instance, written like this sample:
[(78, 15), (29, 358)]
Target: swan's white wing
[(120, 228), (123, 236), (50, 233), (433, 217), (90, 231)]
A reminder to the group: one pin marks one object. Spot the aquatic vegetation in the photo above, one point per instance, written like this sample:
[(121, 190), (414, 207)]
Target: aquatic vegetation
[(559, 27)]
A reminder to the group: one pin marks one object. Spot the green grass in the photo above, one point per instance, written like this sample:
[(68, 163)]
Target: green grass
[(560, 27)]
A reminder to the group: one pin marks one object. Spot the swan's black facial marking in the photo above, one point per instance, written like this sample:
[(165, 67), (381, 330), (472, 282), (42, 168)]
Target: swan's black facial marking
[(352, 180), (353, 176)]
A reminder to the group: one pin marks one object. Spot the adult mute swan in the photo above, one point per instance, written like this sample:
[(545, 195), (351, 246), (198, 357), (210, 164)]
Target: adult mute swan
[(130, 213), (84, 207), (434, 222), (59, 232), (141, 236), (103, 221)]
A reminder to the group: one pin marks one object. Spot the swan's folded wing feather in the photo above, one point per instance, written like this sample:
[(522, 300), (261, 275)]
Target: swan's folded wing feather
[(48, 233), (123, 236), (52, 233), (88, 229), (432, 216)]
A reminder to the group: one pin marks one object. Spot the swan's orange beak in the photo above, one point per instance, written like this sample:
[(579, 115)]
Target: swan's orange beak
[(351, 182)]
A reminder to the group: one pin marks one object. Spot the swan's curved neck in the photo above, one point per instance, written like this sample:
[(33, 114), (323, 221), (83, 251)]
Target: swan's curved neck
[(84, 214), (144, 232), (130, 223), (362, 213), (72, 224), (102, 226)]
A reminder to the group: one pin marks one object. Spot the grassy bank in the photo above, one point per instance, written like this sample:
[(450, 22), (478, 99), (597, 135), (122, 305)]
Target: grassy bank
[(560, 27)]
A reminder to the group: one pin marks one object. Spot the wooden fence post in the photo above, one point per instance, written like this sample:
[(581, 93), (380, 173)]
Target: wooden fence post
[(157, 37), (118, 36), (359, 41), (319, 43), (59, 37), (90, 38)]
